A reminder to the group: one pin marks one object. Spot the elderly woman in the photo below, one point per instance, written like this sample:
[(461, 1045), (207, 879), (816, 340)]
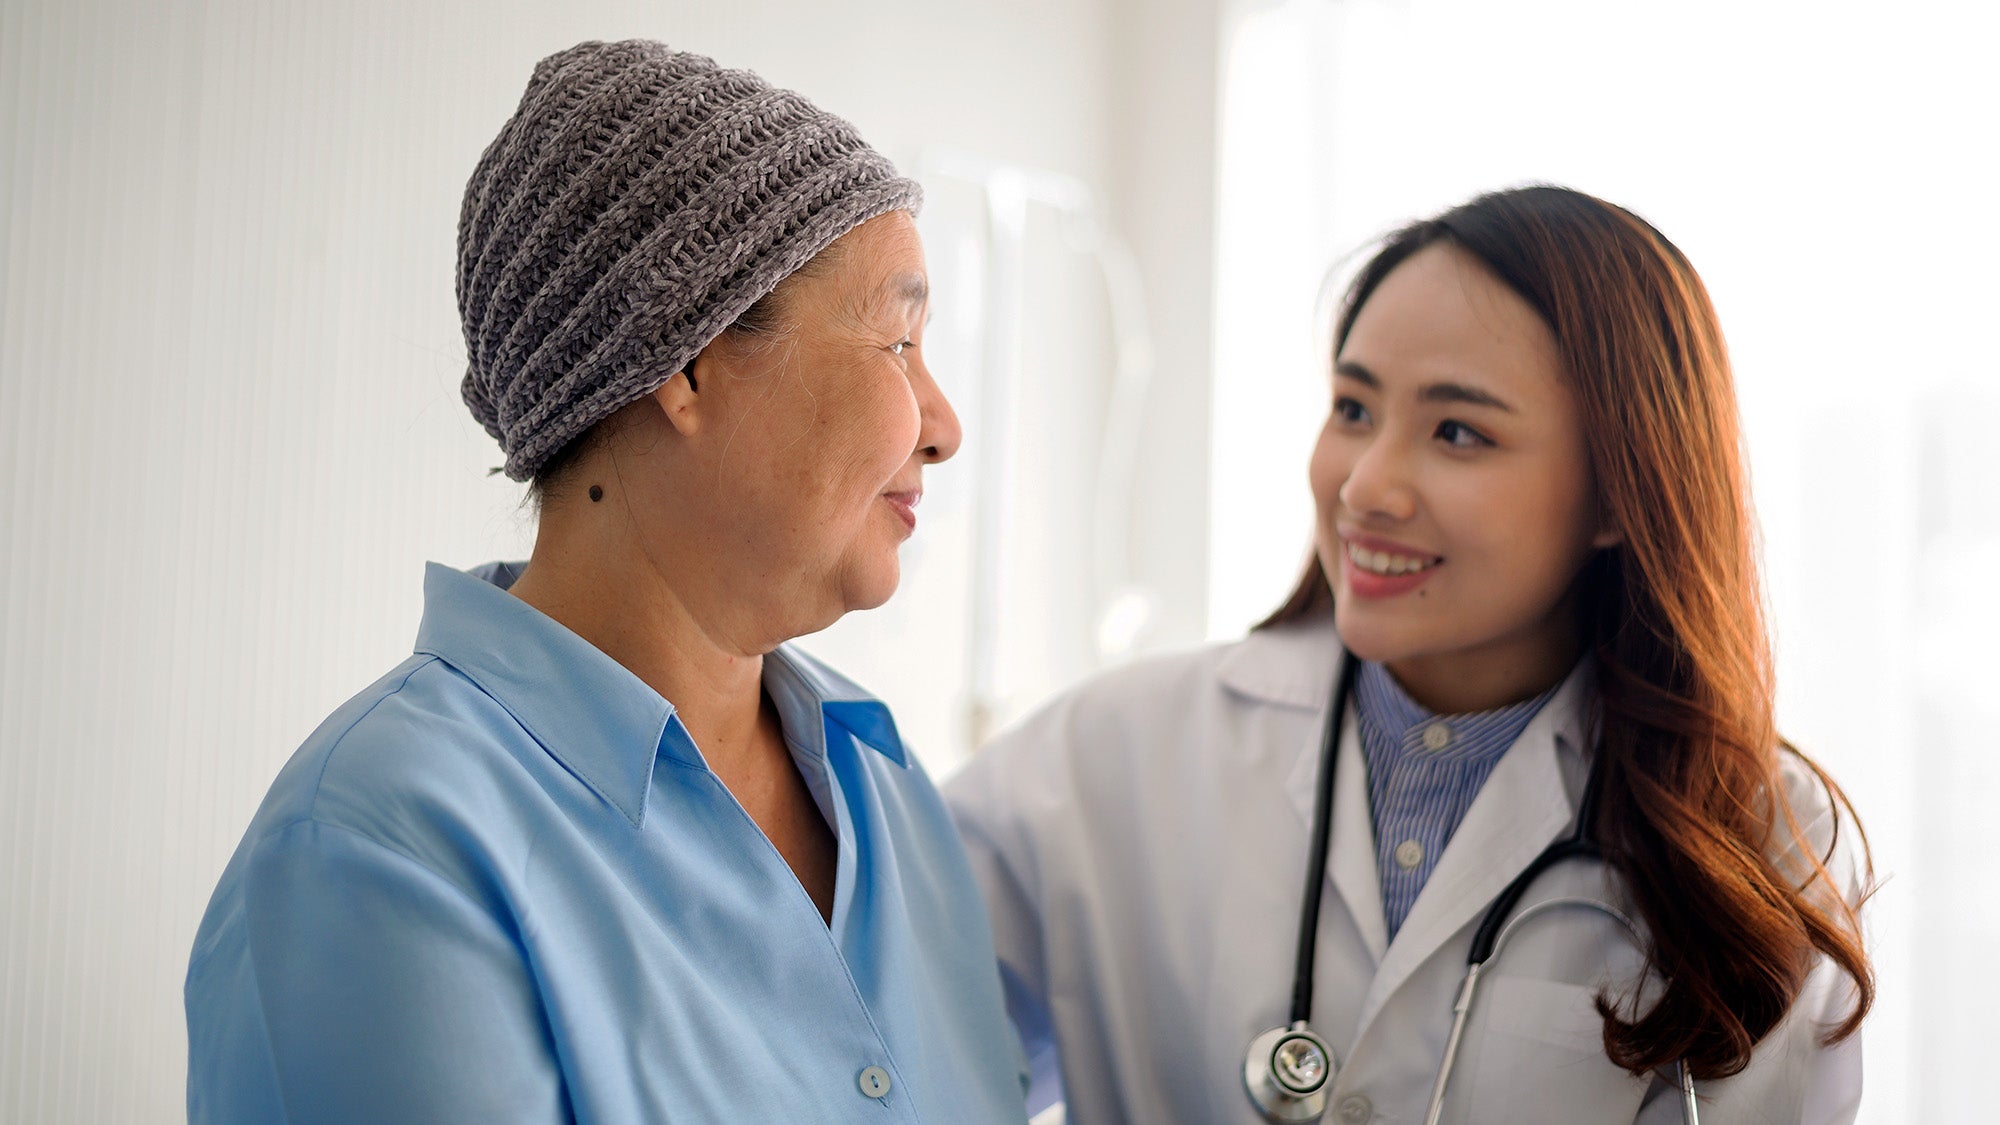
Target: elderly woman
[(605, 848)]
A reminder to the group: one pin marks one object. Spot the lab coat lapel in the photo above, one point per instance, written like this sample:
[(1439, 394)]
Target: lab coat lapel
[(1523, 806), (1350, 867)]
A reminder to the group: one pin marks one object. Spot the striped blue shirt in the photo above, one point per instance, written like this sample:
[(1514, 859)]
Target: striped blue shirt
[(1424, 769)]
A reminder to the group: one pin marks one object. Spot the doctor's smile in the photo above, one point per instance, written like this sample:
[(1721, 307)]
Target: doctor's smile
[(1372, 567)]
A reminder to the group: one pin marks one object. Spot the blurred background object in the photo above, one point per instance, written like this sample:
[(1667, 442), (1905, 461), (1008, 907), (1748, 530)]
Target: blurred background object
[(230, 429)]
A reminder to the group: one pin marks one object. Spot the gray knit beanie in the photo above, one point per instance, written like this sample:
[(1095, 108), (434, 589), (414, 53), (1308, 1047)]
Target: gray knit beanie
[(639, 201)]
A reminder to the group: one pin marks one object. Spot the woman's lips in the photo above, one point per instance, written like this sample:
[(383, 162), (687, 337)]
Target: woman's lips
[(1380, 568), (904, 504)]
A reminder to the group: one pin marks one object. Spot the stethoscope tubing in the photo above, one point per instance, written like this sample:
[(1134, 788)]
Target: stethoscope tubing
[(1462, 1007), (1322, 836)]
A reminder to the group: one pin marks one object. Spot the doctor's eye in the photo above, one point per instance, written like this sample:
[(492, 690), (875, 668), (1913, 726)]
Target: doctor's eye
[(898, 347), (1349, 411), (1458, 435)]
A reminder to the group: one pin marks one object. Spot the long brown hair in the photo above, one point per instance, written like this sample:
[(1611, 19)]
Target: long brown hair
[(1690, 798)]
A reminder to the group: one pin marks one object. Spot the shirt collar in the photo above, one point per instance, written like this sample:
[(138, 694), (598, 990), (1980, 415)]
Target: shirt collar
[(1384, 705), (1389, 714), (809, 695), (601, 722)]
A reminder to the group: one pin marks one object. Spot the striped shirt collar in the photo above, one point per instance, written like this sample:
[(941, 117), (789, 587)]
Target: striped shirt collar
[(1388, 714), (1294, 665)]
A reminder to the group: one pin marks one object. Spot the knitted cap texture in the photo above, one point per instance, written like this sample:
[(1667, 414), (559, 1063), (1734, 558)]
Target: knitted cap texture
[(639, 201)]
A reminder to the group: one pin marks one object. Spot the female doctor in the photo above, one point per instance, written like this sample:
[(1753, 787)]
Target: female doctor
[(1529, 651)]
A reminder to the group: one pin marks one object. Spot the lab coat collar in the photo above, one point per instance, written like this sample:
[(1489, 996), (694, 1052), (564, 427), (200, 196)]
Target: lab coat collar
[(1291, 664), (1527, 802), (1295, 665), (1350, 861), (604, 724)]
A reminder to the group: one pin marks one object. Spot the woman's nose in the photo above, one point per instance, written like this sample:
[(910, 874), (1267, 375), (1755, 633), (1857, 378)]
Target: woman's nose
[(1378, 484), (938, 434)]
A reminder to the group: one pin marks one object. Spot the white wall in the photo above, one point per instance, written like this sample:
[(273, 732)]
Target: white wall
[(230, 430)]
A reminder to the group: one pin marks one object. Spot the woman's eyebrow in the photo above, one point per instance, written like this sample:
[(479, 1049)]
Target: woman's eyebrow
[(899, 293), (1357, 373), (911, 287), (1430, 392), (1459, 392)]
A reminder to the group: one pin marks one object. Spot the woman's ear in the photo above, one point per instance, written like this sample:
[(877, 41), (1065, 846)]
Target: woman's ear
[(1601, 513), (680, 402), (1608, 534)]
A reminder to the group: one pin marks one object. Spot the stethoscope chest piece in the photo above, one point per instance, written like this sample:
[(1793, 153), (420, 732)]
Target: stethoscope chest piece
[(1288, 1073)]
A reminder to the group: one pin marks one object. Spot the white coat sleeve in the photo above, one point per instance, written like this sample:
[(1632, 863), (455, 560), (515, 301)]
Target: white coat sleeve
[(985, 800)]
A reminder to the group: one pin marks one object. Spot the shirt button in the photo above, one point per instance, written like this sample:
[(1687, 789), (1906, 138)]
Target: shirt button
[(1355, 1109), (1437, 736), (875, 1082), (1409, 853)]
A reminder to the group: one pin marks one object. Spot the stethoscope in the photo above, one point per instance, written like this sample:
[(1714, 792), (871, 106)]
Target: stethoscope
[(1290, 1069)]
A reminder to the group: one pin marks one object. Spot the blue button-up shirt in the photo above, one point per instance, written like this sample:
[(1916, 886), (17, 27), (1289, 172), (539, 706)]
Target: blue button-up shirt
[(1424, 769), (501, 884)]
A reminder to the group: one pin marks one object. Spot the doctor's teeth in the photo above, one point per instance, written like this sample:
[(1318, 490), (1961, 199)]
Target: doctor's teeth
[(1384, 563)]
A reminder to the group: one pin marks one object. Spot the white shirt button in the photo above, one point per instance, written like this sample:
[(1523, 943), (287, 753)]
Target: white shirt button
[(875, 1082), (1355, 1109), (1409, 853), (1437, 736)]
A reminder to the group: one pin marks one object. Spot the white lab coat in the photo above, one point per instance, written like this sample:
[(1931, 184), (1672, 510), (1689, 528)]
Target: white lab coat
[(1142, 847)]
